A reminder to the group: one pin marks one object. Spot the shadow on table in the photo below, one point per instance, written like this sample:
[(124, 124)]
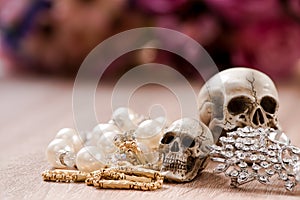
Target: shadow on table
[(212, 181)]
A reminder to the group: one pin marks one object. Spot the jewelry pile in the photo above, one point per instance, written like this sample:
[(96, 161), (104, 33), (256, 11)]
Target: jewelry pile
[(139, 158), (238, 129), (110, 155)]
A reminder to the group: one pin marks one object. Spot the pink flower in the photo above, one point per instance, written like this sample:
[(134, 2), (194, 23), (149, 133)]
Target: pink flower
[(272, 47), (237, 12), (11, 11), (204, 28), (161, 6)]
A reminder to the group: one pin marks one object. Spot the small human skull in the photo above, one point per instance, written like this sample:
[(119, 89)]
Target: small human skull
[(184, 148), (238, 97)]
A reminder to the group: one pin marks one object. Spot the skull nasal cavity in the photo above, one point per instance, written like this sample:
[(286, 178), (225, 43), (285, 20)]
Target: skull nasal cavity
[(175, 147), (258, 118)]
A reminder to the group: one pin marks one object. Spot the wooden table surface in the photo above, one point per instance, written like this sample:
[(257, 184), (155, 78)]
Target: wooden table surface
[(33, 109)]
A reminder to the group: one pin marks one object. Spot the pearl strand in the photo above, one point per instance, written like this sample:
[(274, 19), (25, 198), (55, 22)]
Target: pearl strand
[(94, 150)]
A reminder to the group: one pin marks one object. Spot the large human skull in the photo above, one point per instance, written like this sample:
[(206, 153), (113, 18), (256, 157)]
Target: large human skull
[(184, 148), (238, 97)]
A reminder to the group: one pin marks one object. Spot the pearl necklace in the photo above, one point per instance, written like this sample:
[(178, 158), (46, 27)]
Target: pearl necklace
[(96, 149)]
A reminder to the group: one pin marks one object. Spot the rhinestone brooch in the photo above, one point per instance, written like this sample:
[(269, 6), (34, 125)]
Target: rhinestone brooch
[(249, 154)]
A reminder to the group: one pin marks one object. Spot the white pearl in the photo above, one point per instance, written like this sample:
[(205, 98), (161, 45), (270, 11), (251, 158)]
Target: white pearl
[(106, 142), (90, 158), (77, 143), (92, 138), (126, 119), (111, 122), (151, 156), (60, 149), (149, 133), (297, 171), (65, 133), (163, 121), (106, 128), (71, 136), (98, 131)]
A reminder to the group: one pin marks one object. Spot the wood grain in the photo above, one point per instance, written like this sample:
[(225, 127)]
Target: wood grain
[(32, 110)]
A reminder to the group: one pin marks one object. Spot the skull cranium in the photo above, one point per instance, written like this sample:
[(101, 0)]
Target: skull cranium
[(184, 147), (238, 97)]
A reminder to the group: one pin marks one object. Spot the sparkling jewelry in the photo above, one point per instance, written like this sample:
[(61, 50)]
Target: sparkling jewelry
[(127, 145), (250, 154), (109, 157)]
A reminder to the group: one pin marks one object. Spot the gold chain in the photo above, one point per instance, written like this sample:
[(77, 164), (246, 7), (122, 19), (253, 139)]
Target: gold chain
[(129, 177)]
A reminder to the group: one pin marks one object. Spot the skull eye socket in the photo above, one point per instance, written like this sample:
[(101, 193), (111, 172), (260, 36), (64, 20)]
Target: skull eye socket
[(239, 105), (188, 141), (168, 138), (268, 104)]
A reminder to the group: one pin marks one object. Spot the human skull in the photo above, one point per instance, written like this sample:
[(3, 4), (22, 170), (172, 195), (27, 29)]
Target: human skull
[(184, 148), (238, 97)]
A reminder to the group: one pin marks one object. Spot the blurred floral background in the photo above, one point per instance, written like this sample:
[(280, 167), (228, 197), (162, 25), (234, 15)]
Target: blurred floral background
[(52, 37)]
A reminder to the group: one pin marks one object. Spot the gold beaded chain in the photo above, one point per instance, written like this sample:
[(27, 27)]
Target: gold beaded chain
[(129, 177)]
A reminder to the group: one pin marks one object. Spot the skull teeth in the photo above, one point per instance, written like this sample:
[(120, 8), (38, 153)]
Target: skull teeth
[(174, 164)]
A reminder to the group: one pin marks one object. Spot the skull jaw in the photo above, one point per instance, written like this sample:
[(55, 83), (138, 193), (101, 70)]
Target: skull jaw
[(172, 173)]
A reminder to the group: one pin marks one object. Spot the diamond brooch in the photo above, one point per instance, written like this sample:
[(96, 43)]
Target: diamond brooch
[(249, 154)]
